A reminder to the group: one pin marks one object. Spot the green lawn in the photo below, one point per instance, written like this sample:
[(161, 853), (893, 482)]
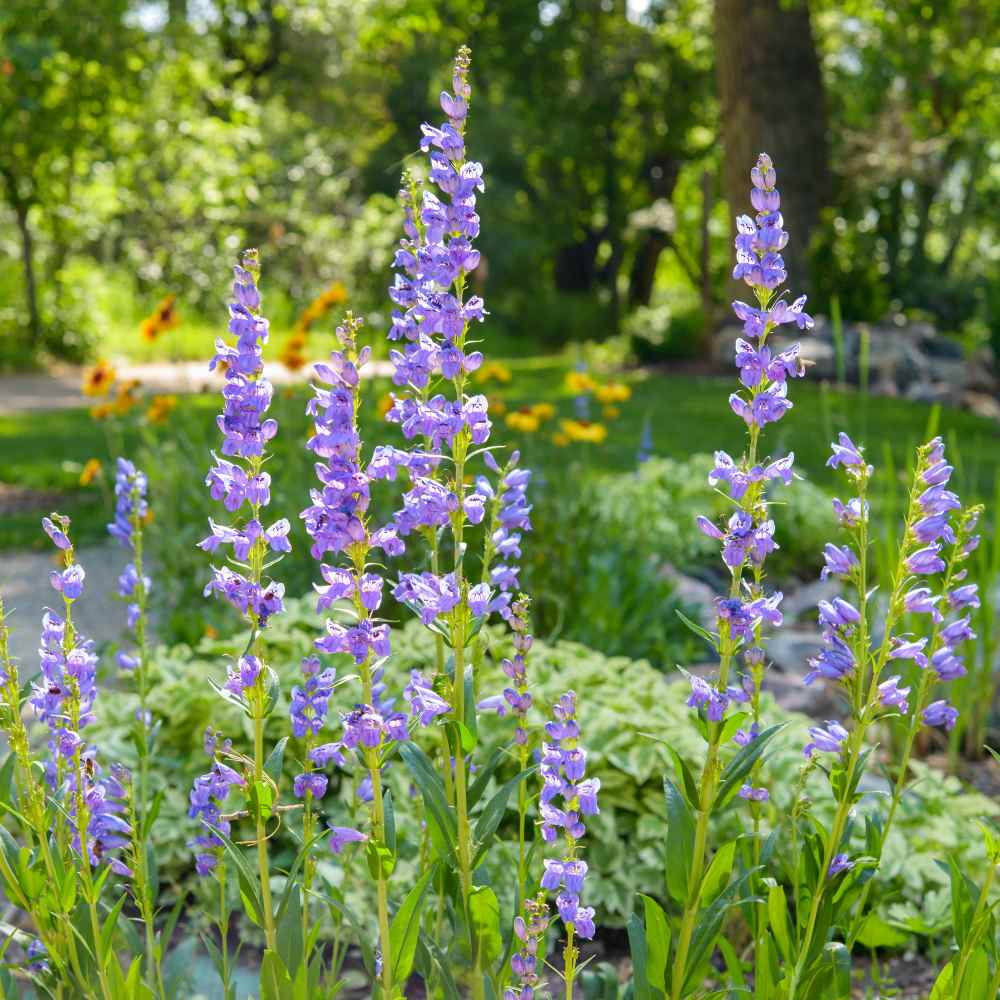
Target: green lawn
[(686, 414)]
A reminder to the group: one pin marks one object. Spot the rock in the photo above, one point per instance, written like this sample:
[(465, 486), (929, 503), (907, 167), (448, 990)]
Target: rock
[(789, 649), (943, 348), (692, 594), (933, 392), (982, 404), (802, 601), (815, 700), (820, 358), (981, 371), (908, 359)]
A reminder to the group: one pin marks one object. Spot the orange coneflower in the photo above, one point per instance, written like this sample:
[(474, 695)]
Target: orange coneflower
[(163, 317), (125, 397), (160, 408), (97, 380), (90, 471)]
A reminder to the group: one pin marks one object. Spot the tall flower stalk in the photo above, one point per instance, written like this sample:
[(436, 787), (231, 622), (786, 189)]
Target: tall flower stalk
[(858, 665), (243, 483), (338, 523), (748, 535), (432, 320), (90, 824), (131, 514)]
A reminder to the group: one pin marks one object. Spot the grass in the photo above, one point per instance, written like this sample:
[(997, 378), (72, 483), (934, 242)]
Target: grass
[(686, 414)]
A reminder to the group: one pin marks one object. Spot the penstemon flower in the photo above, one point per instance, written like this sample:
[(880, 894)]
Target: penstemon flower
[(243, 485), (746, 538), (442, 497), (937, 537), (338, 523), (526, 962), (567, 796)]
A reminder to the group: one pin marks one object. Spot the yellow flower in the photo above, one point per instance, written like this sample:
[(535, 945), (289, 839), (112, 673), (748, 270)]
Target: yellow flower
[(611, 412), (613, 392), (160, 408), (523, 420), (584, 430), (493, 371), (544, 411), (97, 380), (90, 472), (497, 406), (320, 306), (163, 317), (125, 397), (293, 357), (560, 440), (101, 412), (579, 382), (385, 404)]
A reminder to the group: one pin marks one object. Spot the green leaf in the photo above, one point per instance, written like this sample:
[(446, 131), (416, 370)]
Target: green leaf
[(151, 814), (976, 977), (390, 822), (941, 989), (441, 822), (275, 760), (640, 958), (289, 934), (876, 933), (697, 629), (680, 841), (717, 876), (657, 945), (275, 983), (381, 861), (741, 765), (484, 911), (405, 928), (491, 816), (260, 800), (777, 913), (249, 889), (108, 930), (710, 922)]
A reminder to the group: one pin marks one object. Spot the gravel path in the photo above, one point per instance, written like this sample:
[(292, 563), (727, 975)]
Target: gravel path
[(24, 583), (59, 388)]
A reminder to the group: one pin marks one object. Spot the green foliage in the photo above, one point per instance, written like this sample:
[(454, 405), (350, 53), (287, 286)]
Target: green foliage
[(619, 700)]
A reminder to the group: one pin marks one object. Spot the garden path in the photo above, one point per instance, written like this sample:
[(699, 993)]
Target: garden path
[(59, 387), (24, 583)]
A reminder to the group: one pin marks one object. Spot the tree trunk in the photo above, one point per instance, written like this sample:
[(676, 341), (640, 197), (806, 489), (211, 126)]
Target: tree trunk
[(771, 94), (28, 262)]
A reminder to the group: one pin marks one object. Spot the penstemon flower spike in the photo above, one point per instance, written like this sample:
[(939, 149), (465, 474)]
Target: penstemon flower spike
[(746, 539), (850, 660), (433, 319), (131, 515), (567, 797), (243, 482), (338, 523)]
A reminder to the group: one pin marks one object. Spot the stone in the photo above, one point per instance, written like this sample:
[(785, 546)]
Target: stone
[(982, 405), (801, 602), (692, 594), (789, 649)]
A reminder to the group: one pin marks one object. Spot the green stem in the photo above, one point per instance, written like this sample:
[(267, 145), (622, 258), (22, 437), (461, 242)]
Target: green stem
[(263, 867), (570, 957), (223, 924), (975, 932)]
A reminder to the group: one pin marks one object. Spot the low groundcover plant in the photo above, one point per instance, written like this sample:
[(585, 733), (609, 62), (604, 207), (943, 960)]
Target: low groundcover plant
[(486, 887)]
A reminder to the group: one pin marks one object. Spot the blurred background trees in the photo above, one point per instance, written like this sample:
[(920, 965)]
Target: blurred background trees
[(141, 143)]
